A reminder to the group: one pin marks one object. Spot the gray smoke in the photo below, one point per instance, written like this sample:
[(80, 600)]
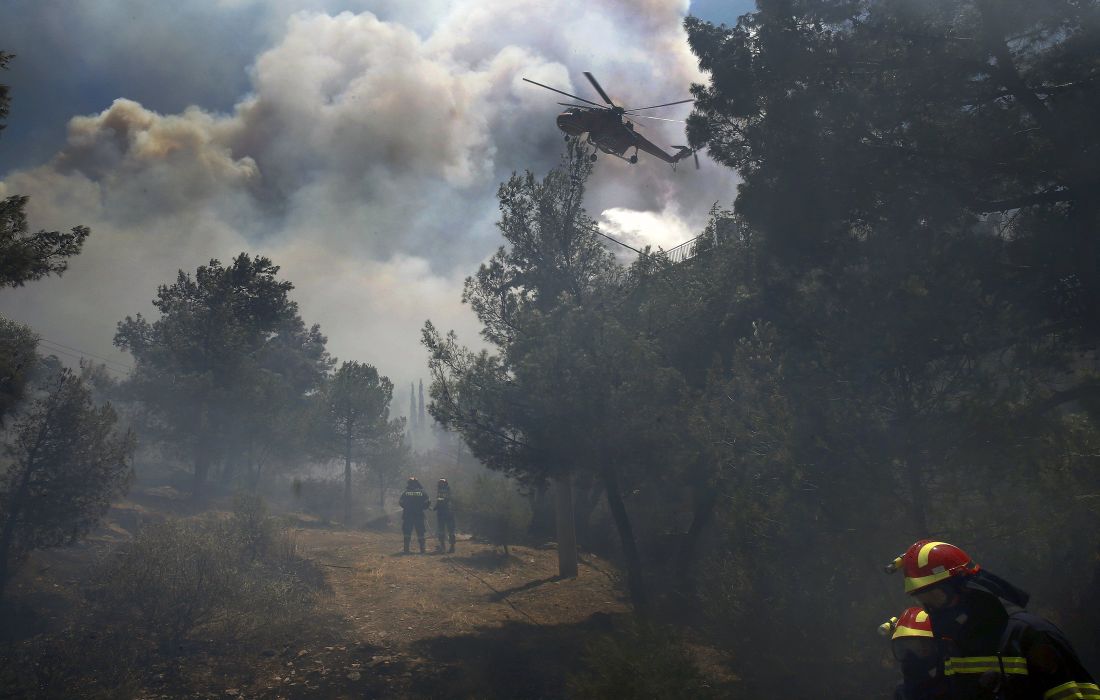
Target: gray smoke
[(363, 156)]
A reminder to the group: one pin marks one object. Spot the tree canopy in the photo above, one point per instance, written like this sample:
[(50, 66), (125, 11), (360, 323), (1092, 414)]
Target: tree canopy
[(226, 366), (65, 463)]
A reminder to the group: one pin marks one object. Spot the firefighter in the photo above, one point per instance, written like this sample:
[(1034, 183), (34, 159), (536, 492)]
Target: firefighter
[(414, 501), (991, 646), (444, 514), (918, 655)]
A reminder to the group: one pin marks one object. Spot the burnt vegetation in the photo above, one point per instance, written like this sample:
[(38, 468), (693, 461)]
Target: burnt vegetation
[(890, 333)]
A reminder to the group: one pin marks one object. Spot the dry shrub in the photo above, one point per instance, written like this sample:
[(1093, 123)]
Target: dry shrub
[(233, 580), (642, 660), (84, 662), (178, 587)]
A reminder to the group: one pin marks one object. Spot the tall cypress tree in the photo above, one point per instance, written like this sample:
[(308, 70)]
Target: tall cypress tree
[(421, 422)]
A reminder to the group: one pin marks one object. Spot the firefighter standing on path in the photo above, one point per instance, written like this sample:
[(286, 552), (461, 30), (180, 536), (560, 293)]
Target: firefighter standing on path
[(414, 501), (444, 514), (991, 646)]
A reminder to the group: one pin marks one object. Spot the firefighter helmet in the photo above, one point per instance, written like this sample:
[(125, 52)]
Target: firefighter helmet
[(928, 562), (914, 622), (911, 634)]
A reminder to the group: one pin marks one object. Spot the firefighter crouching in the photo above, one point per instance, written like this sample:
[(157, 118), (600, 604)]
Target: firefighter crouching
[(990, 645), (918, 655)]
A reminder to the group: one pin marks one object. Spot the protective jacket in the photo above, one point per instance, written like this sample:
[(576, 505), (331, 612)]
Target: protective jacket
[(414, 501), (443, 504), (922, 681), (994, 649)]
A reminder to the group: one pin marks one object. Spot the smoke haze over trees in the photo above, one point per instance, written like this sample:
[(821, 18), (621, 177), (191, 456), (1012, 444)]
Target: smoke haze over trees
[(891, 333)]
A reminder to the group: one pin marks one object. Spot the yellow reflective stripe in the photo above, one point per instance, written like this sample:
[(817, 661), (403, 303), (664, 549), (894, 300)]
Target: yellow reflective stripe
[(925, 550), (903, 631), (1015, 665), (1073, 691), (912, 584)]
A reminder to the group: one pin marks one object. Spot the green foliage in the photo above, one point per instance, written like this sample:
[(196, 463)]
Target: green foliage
[(355, 412), (254, 528), (577, 383), (492, 509), (178, 587), (354, 421), (24, 256), (18, 357), (853, 121), (5, 96), (227, 369), (65, 462), (642, 661), (232, 580), (905, 315), (387, 460)]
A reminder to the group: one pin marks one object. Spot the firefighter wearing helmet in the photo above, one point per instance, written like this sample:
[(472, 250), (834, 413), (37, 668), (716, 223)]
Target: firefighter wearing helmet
[(414, 501), (917, 654), (444, 514), (991, 646)]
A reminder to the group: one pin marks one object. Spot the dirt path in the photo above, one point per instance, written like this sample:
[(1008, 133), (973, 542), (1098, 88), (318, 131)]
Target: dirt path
[(392, 598), (470, 624)]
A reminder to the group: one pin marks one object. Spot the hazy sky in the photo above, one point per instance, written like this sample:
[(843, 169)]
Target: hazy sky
[(357, 143)]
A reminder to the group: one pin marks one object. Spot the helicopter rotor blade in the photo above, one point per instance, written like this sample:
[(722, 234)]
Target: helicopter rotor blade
[(599, 89), (667, 104), (570, 104), (597, 104), (660, 119)]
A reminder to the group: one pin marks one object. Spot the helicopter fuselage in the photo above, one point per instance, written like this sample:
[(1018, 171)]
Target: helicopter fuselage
[(606, 129)]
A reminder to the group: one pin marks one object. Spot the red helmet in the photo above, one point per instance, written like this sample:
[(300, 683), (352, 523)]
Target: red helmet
[(914, 622), (910, 635), (928, 562)]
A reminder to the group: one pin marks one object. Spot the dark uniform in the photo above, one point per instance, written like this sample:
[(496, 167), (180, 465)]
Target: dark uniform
[(414, 501), (993, 648), (444, 515)]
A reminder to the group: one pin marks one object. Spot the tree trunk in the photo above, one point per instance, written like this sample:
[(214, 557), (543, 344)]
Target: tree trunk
[(382, 490), (347, 481), (635, 582), (567, 536), (588, 501), (701, 517)]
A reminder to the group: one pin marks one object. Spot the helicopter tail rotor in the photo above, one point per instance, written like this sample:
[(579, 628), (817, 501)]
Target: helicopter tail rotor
[(683, 152)]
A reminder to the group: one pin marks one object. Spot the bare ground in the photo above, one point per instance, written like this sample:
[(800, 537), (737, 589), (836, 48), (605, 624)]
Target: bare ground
[(473, 624)]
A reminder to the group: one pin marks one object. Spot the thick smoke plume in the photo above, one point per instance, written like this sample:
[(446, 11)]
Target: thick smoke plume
[(363, 156)]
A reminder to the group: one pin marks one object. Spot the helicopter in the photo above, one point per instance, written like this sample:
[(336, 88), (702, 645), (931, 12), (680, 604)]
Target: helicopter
[(608, 128)]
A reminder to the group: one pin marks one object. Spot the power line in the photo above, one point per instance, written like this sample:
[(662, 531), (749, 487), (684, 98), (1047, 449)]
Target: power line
[(89, 354), (74, 356), (597, 231), (78, 354)]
